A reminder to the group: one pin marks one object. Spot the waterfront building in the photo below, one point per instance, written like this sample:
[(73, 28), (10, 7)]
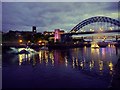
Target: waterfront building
[(57, 35)]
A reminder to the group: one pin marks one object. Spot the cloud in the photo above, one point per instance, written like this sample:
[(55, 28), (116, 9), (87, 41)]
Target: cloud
[(49, 15)]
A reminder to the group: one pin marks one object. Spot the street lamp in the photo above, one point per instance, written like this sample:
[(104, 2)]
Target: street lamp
[(29, 41), (39, 41), (20, 41)]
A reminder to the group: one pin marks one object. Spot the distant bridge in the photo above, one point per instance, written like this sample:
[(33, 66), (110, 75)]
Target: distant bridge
[(76, 30), (94, 20)]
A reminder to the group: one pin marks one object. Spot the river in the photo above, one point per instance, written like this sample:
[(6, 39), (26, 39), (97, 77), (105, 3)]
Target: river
[(68, 68)]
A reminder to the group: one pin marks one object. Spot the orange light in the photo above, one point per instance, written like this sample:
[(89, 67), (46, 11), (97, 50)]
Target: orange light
[(28, 41), (39, 41), (20, 41), (43, 44)]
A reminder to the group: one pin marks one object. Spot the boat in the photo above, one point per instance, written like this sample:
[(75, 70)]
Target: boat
[(94, 45), (23, 52)]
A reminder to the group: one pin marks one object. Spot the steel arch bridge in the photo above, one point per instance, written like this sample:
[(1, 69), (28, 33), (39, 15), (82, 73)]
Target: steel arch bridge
[(94, 20)]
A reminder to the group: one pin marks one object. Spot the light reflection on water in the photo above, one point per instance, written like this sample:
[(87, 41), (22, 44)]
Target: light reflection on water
[(99, 60), (77, 67)]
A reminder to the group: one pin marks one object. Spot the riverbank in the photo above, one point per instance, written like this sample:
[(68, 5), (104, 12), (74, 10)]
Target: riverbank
[(61, 45)]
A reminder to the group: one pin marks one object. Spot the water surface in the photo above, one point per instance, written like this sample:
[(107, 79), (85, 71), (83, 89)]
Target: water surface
[(71, 68)]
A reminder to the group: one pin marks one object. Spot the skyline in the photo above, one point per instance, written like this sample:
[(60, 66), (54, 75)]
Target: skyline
[(47, 16)]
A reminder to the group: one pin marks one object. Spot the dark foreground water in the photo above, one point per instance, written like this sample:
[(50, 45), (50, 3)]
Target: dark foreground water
[(70, 68)]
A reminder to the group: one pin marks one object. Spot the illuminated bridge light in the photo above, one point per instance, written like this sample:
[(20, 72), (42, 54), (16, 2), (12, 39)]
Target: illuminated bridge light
[(95, 20), (111, 28), (81, 30), (92, 30), (84, 31), (101, 29)]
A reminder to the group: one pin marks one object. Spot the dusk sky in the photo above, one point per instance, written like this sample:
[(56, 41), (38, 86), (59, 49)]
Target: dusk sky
[(47, 16)]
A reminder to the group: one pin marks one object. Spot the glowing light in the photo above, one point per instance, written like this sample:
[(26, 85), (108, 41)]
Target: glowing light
[(100, 65), (29, 56), (85, 49), (108, 44), (92, 30), (66, 62), (73, 64), (43, 44), (103, 51), (29, 41), (91, 64), (52, 58), (111, 66), (20, 41), (39, 41), (81, 30), (81, 64), (40, 56), (101, 29), (98, 37), (104, 38), (20, 59), (57, 35), (85, 42), (84, 31), (94, 45), (76, 62), (20, 49), (111, 28)]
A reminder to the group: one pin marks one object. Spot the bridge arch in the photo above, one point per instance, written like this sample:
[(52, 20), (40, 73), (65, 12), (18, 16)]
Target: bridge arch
[(94, 20)]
